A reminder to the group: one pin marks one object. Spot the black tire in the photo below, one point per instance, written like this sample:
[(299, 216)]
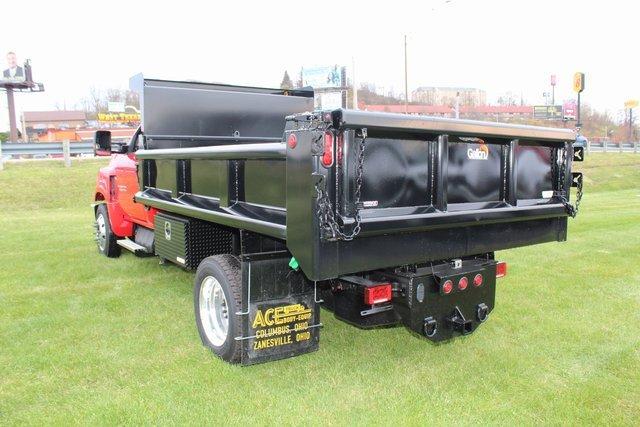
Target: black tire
[(107, 246), (226, 270)]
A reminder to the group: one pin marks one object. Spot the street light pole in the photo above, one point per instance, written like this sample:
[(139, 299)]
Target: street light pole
[(406, 86)]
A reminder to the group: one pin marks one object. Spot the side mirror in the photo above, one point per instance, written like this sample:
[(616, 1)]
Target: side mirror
[(102, 143)]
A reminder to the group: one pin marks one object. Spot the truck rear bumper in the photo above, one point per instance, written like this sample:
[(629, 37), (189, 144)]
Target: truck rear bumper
[(437, 302)]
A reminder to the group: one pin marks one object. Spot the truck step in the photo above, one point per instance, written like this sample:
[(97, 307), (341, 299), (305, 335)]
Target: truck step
[(132, 246)]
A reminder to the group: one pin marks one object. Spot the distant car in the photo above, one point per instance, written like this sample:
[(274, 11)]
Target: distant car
[(581, 141)]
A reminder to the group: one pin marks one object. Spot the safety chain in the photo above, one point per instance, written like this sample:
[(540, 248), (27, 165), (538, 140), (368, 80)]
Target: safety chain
[(571, 209), (325, 208)]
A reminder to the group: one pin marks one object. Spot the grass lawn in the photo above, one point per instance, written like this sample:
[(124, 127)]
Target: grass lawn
[(90, 340)]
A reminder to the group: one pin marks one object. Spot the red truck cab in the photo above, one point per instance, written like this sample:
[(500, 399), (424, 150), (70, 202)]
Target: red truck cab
[(117, 214)]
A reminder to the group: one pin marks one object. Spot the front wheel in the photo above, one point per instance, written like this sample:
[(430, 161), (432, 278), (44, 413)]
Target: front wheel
[(217, 299), (107, 241)]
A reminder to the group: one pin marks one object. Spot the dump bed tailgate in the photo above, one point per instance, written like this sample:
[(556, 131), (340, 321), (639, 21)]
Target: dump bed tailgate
[(389, 189)]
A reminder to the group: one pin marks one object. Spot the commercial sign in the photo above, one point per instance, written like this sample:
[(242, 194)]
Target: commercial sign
[(631, 103), (570, 109), (547, 112), (322, 77), (118, 117), (578, 82)]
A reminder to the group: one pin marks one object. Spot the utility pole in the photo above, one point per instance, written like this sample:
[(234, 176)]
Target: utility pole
[(406, 86), (13, 129), (353, 82), (578, 87), (630, 105)]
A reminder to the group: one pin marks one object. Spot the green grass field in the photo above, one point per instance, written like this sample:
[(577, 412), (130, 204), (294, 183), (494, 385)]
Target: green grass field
[(90, 340)]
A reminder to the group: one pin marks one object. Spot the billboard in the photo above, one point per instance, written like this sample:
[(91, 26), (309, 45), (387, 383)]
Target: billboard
[(322, 77), (550, 112), (12, 72)]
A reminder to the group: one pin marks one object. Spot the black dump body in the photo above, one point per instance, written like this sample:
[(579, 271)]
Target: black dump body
[(355, 197), (431, 189)]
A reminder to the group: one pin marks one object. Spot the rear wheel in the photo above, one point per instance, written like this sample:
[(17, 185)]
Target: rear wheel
[(217, 299), (107, 241)]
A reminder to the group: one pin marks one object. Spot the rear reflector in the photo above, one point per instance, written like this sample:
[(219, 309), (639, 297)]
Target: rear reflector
[(501, 269), (477, 280), (327, 154), (377, 294), (447, 287)]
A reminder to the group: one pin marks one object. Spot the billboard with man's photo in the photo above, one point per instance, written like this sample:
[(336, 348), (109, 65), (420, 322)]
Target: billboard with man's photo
[(12, 71)]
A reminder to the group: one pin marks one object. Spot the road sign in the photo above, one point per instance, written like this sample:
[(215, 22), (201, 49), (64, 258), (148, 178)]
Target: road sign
[(578, 82), (631, 103), (547, 112)]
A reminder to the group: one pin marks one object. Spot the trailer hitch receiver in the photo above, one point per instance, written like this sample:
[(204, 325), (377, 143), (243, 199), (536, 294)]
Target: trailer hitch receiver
[(459, 323)]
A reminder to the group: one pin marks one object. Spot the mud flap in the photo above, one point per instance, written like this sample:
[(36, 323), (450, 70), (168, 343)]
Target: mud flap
[(281, 316)]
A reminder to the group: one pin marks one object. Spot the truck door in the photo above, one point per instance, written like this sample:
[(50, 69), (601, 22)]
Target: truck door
[(128, 186)]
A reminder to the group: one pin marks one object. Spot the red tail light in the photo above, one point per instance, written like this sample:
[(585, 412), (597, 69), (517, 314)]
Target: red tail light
[(377, 294), (327, 154), (447, 287), (292, 141), (501, 269), (463, 283), (477, 280)]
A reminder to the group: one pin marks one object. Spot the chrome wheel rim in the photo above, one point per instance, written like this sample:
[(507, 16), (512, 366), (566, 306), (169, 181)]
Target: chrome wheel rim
[(214, 311), (101, 232)]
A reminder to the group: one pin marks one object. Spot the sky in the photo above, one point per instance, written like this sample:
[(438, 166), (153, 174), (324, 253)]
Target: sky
[(498, 46)]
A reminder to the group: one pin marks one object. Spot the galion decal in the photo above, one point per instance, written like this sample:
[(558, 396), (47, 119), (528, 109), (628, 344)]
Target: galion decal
[(479, 153)]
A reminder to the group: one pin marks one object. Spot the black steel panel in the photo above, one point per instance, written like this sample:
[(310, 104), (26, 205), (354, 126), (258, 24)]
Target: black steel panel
[(533, 171), (166, 176), (264, 182), (396, 172), (184, 110), (210, 178), (472, 177)]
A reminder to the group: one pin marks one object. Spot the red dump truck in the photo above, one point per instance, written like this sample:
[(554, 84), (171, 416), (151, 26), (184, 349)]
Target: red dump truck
[(383, 219)]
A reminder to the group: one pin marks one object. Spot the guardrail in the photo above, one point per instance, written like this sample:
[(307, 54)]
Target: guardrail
[(66, 149), (621, 147), (45, 148)]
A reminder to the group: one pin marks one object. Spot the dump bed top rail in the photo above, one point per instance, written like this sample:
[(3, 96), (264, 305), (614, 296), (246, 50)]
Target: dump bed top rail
[(435, 125)]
